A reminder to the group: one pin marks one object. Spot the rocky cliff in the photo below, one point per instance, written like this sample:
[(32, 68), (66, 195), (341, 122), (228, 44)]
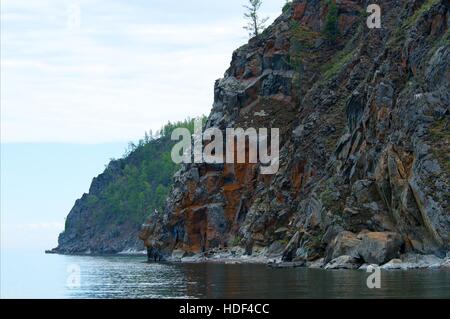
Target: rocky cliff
[(364, 159), (107, 219)]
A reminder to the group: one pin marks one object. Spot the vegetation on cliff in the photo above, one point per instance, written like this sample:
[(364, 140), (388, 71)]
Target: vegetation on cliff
[(331, 29), (106, 220), (143, 181)]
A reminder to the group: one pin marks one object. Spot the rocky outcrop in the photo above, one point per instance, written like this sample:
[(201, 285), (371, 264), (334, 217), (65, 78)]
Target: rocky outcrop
[(414, 261), (344, 244), (364, 160), (107, 220), (343, 262), (379, 248), (372, 247)]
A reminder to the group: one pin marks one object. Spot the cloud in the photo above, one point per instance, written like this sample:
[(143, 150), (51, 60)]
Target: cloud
[(127, 69)]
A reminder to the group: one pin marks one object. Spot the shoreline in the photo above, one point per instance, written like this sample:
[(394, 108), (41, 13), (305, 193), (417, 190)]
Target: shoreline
[(405, 262), (421, 263), (88, 254)]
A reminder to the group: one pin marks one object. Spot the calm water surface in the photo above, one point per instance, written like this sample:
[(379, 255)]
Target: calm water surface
[(45, 276)]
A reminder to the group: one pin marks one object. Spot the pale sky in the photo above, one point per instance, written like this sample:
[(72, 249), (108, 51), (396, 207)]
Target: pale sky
[(95, 71), (75, 88)]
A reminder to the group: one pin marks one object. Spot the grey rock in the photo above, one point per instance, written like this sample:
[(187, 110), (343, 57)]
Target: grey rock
[(345, 243), (275, 250), (178, 254), (343, 262), (415, 261), (291, 248), (393, 264), (320, 263), (378, 248), (365, 267)]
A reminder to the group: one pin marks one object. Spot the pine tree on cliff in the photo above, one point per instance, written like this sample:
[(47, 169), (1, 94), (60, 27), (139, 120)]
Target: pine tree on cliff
[(255, 24), (331, 30)]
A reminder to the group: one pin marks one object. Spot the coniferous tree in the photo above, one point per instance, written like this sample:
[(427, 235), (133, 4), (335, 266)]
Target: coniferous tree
[(331, 30), (255, 24)]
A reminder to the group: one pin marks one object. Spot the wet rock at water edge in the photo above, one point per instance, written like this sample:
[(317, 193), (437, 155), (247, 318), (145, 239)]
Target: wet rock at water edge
[(344, 262), (378, 248)]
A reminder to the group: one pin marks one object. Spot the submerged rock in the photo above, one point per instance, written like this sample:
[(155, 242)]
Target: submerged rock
[(287, 265)]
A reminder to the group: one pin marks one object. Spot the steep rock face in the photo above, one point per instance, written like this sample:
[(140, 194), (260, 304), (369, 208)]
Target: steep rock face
[(364, 159), (86, 233), (107, 219)]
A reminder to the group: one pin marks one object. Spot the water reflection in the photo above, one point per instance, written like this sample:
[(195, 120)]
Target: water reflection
[(130, 277)]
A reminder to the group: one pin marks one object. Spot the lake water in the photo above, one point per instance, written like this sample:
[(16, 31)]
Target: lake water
[(26, 275)]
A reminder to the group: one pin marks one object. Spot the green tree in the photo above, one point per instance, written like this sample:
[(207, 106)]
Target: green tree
[(139, 182), (287, 6), (331, 30), (255, 24)]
